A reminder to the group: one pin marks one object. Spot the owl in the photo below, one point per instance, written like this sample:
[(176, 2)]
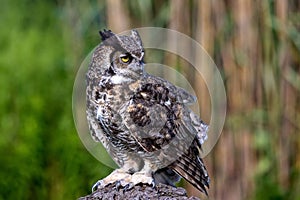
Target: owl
[(143, 121)]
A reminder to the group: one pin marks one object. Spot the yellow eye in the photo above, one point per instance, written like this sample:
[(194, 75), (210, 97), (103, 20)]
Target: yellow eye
[(125, 58)]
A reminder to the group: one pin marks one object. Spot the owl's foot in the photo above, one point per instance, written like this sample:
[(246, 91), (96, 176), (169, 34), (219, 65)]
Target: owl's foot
[(140, 177), (125, 180), (121, 177)]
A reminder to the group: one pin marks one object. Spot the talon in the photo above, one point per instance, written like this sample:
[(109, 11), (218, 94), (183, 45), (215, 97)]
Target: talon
[(152, 184), (118, 184), (123, 183), (128, 186), (96, 185)]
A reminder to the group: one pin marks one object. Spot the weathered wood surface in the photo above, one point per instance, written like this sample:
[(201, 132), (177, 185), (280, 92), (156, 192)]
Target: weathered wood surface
[(139, 192)]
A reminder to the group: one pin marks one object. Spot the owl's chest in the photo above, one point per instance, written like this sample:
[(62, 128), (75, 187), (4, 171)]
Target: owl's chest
[(114, 93), (113, 98), (109, 100), (109, 117)]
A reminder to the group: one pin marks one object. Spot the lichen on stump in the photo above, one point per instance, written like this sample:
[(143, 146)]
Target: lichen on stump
[(139, 192)]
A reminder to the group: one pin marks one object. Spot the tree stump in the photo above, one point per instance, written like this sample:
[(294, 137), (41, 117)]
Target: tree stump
[(139, 192)]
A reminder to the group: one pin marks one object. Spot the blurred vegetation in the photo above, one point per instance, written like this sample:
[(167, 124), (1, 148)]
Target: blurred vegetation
[(255, 44)]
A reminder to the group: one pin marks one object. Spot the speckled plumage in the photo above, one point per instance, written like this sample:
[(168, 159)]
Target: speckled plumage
[(143, 121)]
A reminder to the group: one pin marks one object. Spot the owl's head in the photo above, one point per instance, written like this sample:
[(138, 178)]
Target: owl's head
[(120, 55)]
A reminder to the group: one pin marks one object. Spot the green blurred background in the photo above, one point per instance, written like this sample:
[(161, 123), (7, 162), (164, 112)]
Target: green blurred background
[(255, 44)]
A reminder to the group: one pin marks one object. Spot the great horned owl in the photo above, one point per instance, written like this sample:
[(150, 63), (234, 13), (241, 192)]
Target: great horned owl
[(142, 120)]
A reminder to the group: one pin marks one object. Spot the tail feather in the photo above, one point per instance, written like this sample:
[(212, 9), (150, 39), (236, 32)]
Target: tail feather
[(198, 171), (191, 167), (191, 179)]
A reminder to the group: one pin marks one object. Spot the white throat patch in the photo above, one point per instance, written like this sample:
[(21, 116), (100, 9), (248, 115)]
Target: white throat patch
[(117, 79)]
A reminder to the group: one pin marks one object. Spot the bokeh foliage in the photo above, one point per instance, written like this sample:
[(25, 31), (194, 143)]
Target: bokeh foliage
[(255, 44), (41, 154)]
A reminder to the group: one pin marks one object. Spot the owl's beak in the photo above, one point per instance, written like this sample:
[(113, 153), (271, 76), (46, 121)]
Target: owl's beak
[(142, 62), (141, 59), (142, 56)]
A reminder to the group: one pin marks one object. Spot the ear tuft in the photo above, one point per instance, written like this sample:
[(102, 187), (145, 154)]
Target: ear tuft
[(105, 34), (135, 34)]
